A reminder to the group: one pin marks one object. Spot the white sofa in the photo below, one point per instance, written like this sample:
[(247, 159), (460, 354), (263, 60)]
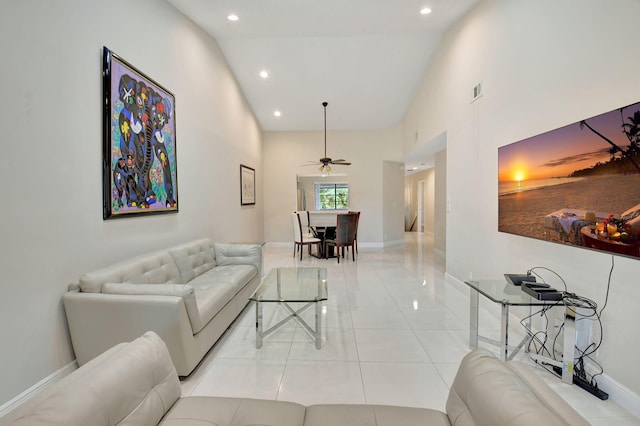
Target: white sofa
[(188, 294), (136, 384)]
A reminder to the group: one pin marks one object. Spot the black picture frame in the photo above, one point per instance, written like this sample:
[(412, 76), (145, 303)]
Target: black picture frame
[(247, 185), (139, 170)]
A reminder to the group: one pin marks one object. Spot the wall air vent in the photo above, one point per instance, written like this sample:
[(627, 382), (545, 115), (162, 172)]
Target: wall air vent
[(477, 91)]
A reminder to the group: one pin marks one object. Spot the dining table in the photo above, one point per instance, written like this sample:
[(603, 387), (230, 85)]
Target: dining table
[(324, 233)]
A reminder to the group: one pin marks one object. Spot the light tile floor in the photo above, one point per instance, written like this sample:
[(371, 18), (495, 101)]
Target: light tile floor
[(394, 332)]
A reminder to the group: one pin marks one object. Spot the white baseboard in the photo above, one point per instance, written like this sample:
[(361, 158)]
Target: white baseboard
[(279, 244), (34, 390), (460, 285), (392, 243), (618, 393)]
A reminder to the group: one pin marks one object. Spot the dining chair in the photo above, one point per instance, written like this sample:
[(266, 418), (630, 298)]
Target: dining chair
[(305, 223), (355, 239), (300, 239), (345, 236)]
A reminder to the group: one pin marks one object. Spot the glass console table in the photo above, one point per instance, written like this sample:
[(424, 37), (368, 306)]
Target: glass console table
[(507, 294), (290, 285)]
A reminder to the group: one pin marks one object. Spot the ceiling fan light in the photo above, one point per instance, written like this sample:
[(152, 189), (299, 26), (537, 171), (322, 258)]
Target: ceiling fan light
[(325, 168)]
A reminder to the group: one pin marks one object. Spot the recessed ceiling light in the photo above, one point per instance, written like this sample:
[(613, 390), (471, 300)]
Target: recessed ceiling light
[(233, 17), (264, 74), (425, 11), (277, 113)]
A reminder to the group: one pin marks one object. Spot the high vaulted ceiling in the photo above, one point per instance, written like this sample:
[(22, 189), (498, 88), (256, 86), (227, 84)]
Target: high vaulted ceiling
[(366, 58)]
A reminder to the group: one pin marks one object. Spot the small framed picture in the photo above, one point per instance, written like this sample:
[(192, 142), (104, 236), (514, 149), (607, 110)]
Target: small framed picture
[(247, 185)]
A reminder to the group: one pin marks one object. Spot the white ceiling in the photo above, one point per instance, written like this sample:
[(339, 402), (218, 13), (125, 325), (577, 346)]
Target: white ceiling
[(365, 57)]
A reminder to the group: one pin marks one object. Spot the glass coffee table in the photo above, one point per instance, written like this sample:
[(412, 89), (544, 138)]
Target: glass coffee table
[(291, 285)]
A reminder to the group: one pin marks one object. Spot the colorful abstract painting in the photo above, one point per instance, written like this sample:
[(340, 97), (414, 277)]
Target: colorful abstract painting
[(139, 148)]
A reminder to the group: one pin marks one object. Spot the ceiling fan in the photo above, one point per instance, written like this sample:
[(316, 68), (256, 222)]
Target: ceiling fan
[(325, 162)]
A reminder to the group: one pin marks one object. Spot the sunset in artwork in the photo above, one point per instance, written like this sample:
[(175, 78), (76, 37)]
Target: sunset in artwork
[(548, 183)]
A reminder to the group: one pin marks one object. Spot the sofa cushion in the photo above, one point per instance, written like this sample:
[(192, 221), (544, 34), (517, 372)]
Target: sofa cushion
[(487, 391), (130, 384), (236, 275), (238, 254), (153, 268), (179, 290), (216, 287), (209, 411), (193, 258), (379, 415)]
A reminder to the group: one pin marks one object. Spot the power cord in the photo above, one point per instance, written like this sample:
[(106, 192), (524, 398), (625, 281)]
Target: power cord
[(606, 298), (531, 271), (572, 302)]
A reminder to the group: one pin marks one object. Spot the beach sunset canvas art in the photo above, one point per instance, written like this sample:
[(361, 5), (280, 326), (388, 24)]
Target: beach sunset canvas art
[(577, 185)]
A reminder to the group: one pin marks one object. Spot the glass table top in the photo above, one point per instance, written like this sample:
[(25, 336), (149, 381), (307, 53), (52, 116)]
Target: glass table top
[(501, 291), (293, 285)]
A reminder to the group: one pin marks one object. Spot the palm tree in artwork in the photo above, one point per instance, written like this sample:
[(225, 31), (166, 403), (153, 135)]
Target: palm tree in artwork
[(614, 147), (632, 130)]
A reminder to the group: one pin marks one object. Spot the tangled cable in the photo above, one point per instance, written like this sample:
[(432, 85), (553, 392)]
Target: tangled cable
[(577, 305)]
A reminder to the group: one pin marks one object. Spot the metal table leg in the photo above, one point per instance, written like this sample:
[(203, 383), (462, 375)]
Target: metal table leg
[(504, 333), (473, 319), (569, 345), (293, 314), (318, 333), (259, 325)]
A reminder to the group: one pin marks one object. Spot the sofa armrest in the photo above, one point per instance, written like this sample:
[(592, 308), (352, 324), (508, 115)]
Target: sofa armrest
[(98, 321), (239, 254), (131, 383), (549, 397), (489, 391), (185, 291)]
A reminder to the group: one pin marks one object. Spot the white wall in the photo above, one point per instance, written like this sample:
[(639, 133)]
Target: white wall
[(392, 203), (440, 203), (429, 201), (543, 64), (284, 156), (412, 197), (50, 216)]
